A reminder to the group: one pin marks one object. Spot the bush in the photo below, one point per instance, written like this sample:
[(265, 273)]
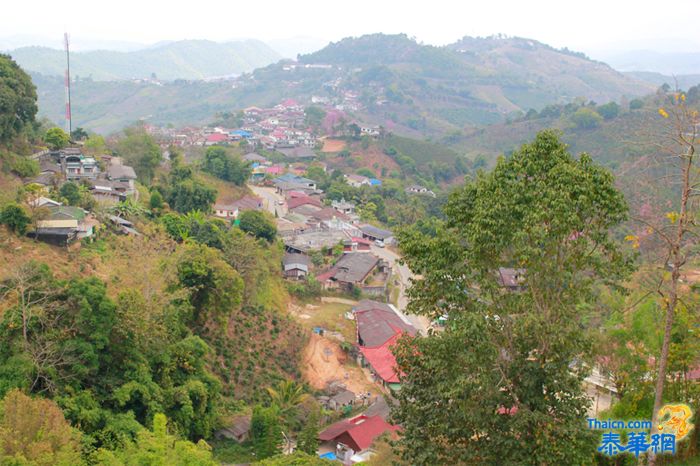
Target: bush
[(609, 110), (586, 118), (15, 218), (636, 104), (258, 224)]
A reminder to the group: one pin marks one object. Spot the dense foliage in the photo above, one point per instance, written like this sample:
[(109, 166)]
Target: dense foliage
[(513, 394), (18, 99), (226, 166)]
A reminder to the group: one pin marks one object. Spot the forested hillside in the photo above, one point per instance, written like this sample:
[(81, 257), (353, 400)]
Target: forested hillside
[(391, 80)]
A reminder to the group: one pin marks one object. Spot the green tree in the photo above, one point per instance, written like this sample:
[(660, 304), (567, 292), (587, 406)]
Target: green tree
[(308, 441), (226, 166), (71, 193), (185, 193), (95, 145), (141, 151), (34, 432), (258, 224), (56, 138), (287, 396), (79, 134), (156, 200), (18, 97), (609, 110), (586, 118), (514, 394), (215, 287), (15, 218), (158, 448), (266, 431)]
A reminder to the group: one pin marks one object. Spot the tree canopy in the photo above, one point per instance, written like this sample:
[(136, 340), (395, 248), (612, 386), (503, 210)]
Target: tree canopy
[(513, 394), (17, 99)]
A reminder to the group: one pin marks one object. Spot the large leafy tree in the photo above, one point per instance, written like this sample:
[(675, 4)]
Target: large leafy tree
[(502, 384), (17, 99), (56, 138), (258, 224), (229, 167), (140, 150)]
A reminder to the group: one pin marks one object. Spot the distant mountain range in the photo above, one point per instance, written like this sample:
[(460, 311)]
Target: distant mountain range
[(189, 59), (414, 89), (680, 63)]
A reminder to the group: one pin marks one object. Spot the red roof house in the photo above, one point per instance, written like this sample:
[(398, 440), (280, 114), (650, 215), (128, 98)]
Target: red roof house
[(357, 433), (215, 138), (382, 359)]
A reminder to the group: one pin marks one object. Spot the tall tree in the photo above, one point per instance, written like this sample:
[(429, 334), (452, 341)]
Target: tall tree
[(18, 97), (140, 150), (502, 385), (678, 229)]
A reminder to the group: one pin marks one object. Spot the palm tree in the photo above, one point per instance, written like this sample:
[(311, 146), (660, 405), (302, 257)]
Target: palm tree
[(287, 396)]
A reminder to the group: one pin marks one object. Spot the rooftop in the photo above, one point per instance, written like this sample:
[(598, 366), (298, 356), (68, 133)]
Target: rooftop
[(354, 267)]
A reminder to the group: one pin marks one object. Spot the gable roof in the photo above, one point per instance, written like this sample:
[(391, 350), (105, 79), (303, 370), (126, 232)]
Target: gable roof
[(301, 152), (295, 258), (253, 157), (362, 430), (298, 201), (378, 325), (375, 232), (510, 278), (121, 171), (292, 178), (354, 267), (382, 359), (66, 213)]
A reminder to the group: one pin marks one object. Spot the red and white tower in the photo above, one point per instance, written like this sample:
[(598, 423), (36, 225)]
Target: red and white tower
[(69, 123)]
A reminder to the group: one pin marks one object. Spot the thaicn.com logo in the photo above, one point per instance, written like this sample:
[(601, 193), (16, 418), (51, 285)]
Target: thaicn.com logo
[(674, 425)]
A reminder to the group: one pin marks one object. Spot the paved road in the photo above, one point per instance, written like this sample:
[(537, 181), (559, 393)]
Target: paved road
[(270, 200), (404, 274)]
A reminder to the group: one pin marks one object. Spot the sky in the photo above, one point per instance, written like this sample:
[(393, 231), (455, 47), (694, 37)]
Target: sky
[(591, 26)]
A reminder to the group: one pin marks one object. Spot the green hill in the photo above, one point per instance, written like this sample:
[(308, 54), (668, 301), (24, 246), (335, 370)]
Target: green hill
[(411, 89), (190, 59)]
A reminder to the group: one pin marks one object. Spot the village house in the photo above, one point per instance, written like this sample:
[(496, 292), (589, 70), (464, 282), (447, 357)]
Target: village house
[(63, 224), (291, 179), (357, 181), (231, 210), (356, 244), (511, 279), (351, 437), (418, 189), (375, 234), (78, 167), (124, 174), (295, 265), (238, 430), (379, 326), (300, 152), (342, 206), (362, 270)]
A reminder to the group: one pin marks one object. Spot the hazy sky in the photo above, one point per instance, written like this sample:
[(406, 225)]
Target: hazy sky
[(585, 25)]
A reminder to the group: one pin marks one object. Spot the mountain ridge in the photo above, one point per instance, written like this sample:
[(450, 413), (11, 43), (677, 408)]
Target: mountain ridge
[(188, 59)]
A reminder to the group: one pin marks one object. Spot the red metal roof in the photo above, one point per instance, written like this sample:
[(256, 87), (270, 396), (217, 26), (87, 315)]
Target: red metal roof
[(300, 201), (362, 430), (217, 137), (382, 359)]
